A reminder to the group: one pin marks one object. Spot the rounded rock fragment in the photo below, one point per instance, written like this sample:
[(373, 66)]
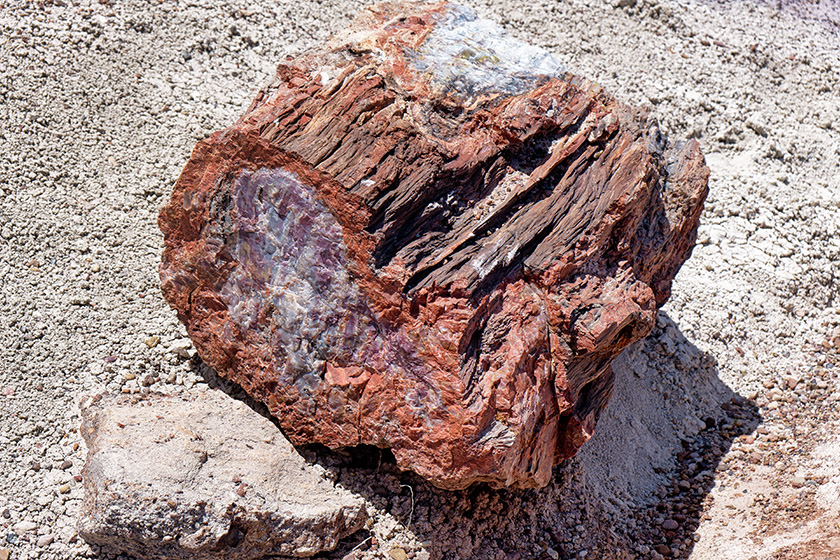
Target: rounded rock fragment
[(670, 525)]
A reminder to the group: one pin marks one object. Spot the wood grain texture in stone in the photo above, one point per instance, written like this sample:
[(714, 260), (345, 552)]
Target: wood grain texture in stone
[(427, 236)]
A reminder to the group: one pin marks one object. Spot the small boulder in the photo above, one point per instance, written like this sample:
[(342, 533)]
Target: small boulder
[(203, 476)]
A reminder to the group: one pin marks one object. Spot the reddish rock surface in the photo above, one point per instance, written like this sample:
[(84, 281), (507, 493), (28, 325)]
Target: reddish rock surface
[(427, 236)]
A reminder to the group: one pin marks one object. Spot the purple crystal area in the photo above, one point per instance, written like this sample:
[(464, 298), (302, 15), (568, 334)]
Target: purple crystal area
[(290, 264)]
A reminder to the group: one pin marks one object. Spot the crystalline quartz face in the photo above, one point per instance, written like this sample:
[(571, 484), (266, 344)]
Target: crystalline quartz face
[(291, 268), (475, 56), (290, 289), (427, 236)]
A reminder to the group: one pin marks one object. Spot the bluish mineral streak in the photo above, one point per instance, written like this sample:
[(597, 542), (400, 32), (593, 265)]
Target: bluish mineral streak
[(475, 56)]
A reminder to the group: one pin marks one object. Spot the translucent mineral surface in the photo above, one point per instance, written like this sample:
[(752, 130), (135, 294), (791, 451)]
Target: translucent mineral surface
[(474, 56)]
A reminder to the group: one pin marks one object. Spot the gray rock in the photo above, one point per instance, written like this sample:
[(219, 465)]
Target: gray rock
[(203, 476)]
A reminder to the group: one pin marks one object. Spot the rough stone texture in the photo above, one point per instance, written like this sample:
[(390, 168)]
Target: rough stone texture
[(203, 476), (427, 236)]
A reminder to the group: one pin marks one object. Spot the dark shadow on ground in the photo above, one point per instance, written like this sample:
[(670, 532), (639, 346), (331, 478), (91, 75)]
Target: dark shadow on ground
[(636, 490)]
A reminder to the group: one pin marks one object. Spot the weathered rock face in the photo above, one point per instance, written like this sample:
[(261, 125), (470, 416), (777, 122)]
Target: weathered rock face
[(427, 236), (203, 477)]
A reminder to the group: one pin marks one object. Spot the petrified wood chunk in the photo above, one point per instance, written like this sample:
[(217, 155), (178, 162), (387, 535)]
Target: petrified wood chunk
[(427, 236)]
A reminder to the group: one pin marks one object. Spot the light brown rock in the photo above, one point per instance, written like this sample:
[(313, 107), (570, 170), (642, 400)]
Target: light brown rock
[(203, 477)]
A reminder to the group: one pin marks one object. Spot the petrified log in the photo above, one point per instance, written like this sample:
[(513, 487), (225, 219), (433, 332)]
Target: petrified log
[(427, 236)]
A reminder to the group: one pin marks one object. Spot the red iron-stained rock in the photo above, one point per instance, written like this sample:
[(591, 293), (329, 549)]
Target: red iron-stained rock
[(427, 236)]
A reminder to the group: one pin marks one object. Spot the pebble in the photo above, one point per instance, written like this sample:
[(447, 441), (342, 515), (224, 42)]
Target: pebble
[(152, 341), (129, 376), (792, 382), (66, 464), (798, 481), (64, 489), (398, 554), (182, 348), (95, 267), (670, 525), (7, 391), (147, 380), (4, 554), (45, 540), (24, 527)]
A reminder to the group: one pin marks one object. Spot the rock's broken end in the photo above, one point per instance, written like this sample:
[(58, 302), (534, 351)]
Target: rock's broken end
[(428, 236)]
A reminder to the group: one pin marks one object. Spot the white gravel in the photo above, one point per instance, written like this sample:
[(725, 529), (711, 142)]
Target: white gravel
[(101, 103)]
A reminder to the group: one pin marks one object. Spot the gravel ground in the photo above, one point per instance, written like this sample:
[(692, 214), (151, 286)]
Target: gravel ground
[(723, 439)]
